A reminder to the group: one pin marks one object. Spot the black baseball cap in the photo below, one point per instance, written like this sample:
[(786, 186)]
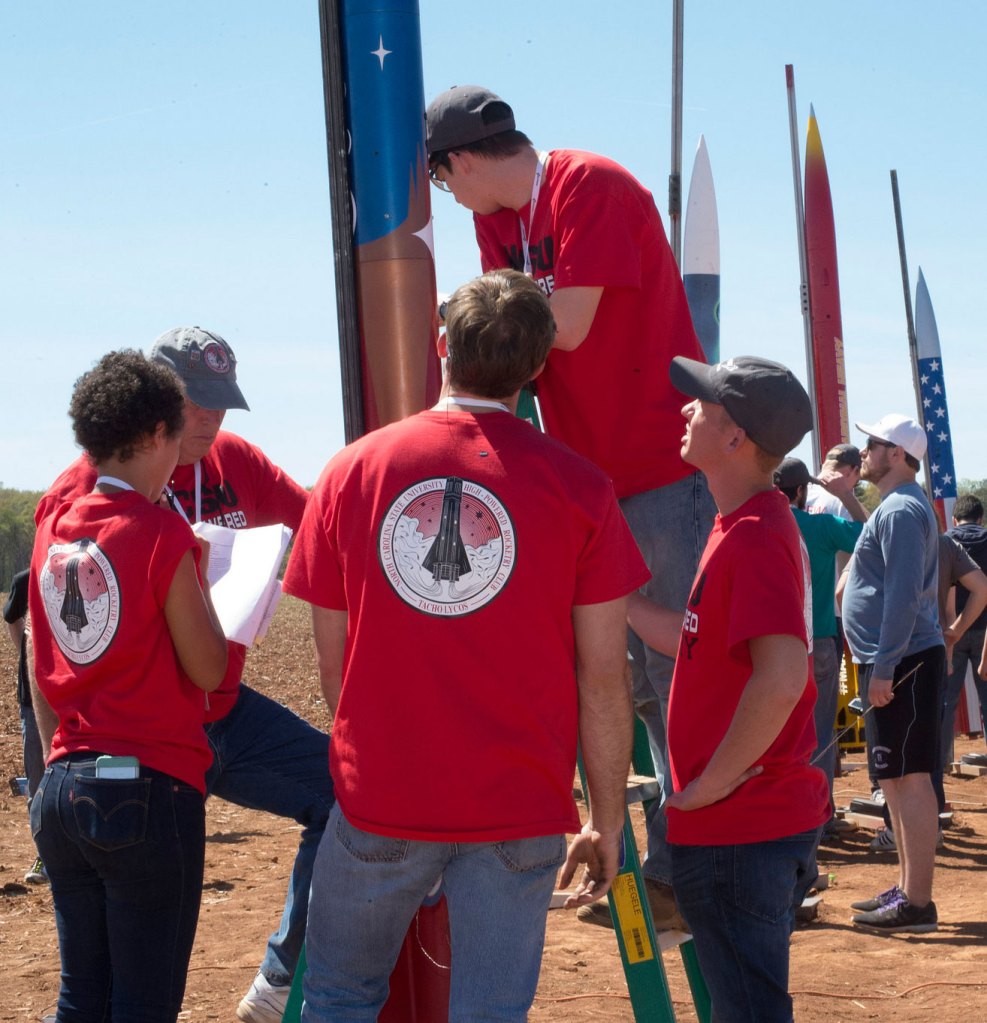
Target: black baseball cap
[(792, 473), (844, 454), (206, 364), (465, 114), (762, 397)]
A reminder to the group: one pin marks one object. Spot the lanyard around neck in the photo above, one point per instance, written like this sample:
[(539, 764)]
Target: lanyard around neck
[(535, 190), (112, 481), (177, 505), (447, 403)]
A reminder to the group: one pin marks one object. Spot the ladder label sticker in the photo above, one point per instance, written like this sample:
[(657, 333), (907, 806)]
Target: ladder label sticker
[(630, 918)]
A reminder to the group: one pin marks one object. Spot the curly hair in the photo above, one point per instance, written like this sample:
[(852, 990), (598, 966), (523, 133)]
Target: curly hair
[(121, 401)]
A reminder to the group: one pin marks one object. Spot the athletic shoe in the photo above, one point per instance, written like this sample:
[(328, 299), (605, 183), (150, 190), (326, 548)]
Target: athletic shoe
[(899, 916), (37, 874), (869, 905), (264, 1002), (885, 841), (877, 796)]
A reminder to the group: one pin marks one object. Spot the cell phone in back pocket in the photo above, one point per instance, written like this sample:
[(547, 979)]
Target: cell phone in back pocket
[(118, 767)]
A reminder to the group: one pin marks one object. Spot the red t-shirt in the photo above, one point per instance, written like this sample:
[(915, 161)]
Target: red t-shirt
[(459, 545), (239, 488), (752, 581), (610, 399), (105, 661)]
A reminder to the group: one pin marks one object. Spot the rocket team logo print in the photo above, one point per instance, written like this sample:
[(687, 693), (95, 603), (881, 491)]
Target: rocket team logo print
[(447, 546), (216, 358), (82, 599)]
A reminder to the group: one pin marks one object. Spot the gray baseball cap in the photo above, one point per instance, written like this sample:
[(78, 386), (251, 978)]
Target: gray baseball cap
[(761, 396), (206, 364), (465, 114)]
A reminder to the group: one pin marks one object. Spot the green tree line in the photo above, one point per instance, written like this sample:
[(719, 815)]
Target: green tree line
[(16, 531)]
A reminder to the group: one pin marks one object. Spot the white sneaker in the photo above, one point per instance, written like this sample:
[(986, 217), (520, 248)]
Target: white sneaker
[(263, 1003)]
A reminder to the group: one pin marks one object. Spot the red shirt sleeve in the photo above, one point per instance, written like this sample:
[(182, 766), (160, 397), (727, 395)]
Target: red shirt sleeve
[(610, 564), (598, 235), (314, 572), (767, 596)]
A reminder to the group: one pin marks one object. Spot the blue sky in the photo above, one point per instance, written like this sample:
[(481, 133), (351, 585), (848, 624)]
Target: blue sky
[(165, 165)]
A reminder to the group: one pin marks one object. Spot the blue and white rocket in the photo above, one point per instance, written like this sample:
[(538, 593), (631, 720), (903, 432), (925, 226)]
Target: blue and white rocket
[(393, 264), (701, 255)]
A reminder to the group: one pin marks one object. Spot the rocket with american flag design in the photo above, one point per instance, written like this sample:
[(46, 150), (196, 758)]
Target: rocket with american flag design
[(934, 410)]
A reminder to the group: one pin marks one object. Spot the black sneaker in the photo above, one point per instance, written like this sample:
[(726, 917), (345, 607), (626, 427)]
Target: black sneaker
[(869, 905), (899, 916)]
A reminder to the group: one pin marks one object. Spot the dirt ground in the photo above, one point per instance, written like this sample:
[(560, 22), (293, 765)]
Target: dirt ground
[(837, 973)]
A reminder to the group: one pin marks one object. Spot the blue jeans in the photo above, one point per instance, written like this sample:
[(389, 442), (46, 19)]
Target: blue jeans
[(366, 890), (737, 901), (267, 758), (826, 654), (125, 860), (671, 525)]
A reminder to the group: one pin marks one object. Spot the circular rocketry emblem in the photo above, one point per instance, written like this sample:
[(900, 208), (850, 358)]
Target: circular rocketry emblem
[(447, 546), (82, 599), (216, 358)]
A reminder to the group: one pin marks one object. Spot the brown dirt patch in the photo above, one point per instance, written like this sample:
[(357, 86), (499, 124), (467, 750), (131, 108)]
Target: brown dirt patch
[(837, 973)]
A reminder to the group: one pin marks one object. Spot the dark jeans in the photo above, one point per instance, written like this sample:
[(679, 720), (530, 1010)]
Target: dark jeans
[(737, 901), (267, 758), (125, 859)]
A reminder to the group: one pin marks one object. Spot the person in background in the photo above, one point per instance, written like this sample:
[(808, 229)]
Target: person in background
[(843, 459), (15, 615), (891, 619), (966, 649), (825, 536), (956, 568)]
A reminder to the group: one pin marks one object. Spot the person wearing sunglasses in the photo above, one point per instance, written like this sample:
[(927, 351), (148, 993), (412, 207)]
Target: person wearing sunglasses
[(891, 620)]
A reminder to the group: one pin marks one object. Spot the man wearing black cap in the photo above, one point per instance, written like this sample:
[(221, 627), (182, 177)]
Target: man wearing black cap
[(825, 535), (591, 237), (747, 805), (843, 459), (264, 756)]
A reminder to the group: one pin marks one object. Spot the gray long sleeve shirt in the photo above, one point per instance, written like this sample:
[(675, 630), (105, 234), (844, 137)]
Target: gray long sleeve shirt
[(889, 605)]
